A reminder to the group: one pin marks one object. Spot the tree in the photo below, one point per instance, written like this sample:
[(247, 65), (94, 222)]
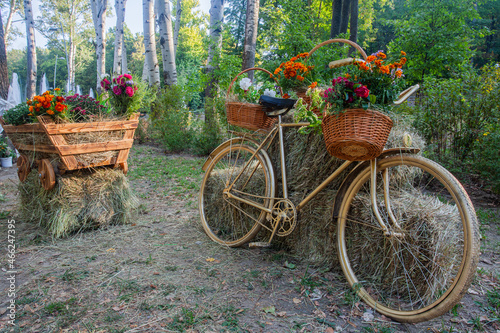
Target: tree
[(215, 42), (252, 22), (178, 14), (4, 74), (31, 50), (436, 37), (14, 7), (150, 43), (72, 19), (166, 42), (99, 17), (235, 18), (120, 18)]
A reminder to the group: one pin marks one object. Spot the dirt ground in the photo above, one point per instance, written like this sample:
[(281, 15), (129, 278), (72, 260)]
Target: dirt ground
[(161, 273)]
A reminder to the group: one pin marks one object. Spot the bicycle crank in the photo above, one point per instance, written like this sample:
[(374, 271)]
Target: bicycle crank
[(284, 214)]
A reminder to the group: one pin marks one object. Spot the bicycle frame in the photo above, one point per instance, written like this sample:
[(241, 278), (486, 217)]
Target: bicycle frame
[(278, 130)]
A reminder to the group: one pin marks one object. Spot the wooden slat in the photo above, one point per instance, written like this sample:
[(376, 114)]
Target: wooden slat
[(86, 148), (129, 135), (111, 161), (90, 127), (26, 128), (36, 148)]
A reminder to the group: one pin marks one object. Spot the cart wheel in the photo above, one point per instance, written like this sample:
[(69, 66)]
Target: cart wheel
[(47, 175), (124, 167), (23, 167)]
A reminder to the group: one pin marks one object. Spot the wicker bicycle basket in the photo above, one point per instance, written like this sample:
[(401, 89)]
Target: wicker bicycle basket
[(356, 134), (248, 115)]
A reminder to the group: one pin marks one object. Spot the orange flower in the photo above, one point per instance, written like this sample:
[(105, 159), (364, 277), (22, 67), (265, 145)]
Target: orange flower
[(60, 107), (59, 99), (402, 61), (403, 53), (31, 108), (385, 69), (300, 78), (399, 72), (286, 96), (347, 75), (50, 112), (382, 55), (313, 85), (57, 89), (370, 58)]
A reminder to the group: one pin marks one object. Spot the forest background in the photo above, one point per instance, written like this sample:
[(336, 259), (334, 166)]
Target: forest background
[(453, 49)]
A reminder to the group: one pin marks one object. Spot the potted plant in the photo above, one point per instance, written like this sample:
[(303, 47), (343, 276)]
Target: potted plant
[(6, 154)]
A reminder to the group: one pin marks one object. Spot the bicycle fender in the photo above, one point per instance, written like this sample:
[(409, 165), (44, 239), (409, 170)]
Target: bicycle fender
[(357, 170), (224, 145)]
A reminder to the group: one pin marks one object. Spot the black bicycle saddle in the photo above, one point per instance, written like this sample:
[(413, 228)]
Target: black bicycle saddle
[(276, 106)]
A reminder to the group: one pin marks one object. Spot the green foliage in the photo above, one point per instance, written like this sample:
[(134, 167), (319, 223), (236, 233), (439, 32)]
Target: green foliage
[(459, 117), (5, 151), (18, 115), (170, 119), (208, 134), (436, 34)]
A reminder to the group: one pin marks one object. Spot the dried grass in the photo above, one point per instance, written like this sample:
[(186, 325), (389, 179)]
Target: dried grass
[(81, 200)]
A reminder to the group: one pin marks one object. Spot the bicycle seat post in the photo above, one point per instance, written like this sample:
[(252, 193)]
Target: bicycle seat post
[(282, 157)]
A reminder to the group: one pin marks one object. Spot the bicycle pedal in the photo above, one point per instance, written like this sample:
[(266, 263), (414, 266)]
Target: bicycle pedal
[(253, 245)]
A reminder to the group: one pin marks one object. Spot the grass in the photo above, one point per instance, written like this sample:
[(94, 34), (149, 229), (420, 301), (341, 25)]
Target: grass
[(179, 176)]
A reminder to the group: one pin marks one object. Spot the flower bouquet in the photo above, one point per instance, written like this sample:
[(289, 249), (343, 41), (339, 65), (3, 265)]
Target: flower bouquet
[(122, 94), (242, 108), (295, 74), (49, 103)]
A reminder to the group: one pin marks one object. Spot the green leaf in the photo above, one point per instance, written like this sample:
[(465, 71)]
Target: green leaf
[(289, 265)]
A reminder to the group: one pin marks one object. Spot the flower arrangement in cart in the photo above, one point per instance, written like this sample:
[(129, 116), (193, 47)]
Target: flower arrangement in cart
[(374, 83), (122, 94)]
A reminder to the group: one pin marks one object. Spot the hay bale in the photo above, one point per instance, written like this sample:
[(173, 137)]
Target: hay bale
[(81, 200), (309, 164)]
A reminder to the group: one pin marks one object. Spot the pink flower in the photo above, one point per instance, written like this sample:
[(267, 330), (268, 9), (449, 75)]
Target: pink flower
[(128, 76), (362, 92), (117, 90), (129, 91)]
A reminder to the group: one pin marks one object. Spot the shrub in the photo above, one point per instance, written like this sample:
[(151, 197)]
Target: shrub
[(18, 115), (170, 118), (83, 107)]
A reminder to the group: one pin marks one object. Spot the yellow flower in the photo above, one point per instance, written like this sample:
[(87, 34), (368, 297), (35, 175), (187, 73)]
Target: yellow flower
[(486, 133)]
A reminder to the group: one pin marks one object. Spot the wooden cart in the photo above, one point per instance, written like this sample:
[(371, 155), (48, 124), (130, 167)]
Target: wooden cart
[(58, 148)]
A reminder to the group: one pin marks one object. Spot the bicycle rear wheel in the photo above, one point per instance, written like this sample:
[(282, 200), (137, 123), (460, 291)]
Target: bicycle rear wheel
[(229, 221), (426, 265)]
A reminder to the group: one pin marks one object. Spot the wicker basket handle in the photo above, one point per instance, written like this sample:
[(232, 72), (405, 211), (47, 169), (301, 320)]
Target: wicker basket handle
[(407, 93), (340, 40), (252, 69)]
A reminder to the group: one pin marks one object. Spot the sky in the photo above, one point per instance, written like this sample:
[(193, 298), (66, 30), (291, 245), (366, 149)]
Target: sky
[(133, 19)]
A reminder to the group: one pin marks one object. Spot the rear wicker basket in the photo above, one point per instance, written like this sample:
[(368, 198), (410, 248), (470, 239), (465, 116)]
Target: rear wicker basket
[(248, 115), (356, 134)]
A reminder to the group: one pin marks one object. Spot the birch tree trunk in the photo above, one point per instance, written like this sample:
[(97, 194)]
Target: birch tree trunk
[(252, 22), (150, 43), (12, 10), (120, 18), (166, 42), (31, 50), (4, 74), (124, 59), (99, 17), (216, 21), (178, 13)]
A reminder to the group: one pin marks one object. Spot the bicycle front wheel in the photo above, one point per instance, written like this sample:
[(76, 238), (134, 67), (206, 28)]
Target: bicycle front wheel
[(425, 263), (227, 220)]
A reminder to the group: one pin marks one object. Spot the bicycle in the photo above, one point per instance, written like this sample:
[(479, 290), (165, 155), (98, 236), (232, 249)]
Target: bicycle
[(412, 218)]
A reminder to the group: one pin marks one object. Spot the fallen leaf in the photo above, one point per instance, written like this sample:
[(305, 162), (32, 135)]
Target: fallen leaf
[(210, 259), (368, 316), (472, 291), (156, 273), (111, 250), (289, 265), (239, 311), (319, 313), (281, 314), (329, 330), (296, 300), (270, 309), (50, 279)]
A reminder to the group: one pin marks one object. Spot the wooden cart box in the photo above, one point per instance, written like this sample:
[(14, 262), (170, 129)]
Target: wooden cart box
[(59, 148)]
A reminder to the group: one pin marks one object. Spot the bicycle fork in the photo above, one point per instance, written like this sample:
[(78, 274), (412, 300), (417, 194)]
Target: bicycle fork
[(373, 198)]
